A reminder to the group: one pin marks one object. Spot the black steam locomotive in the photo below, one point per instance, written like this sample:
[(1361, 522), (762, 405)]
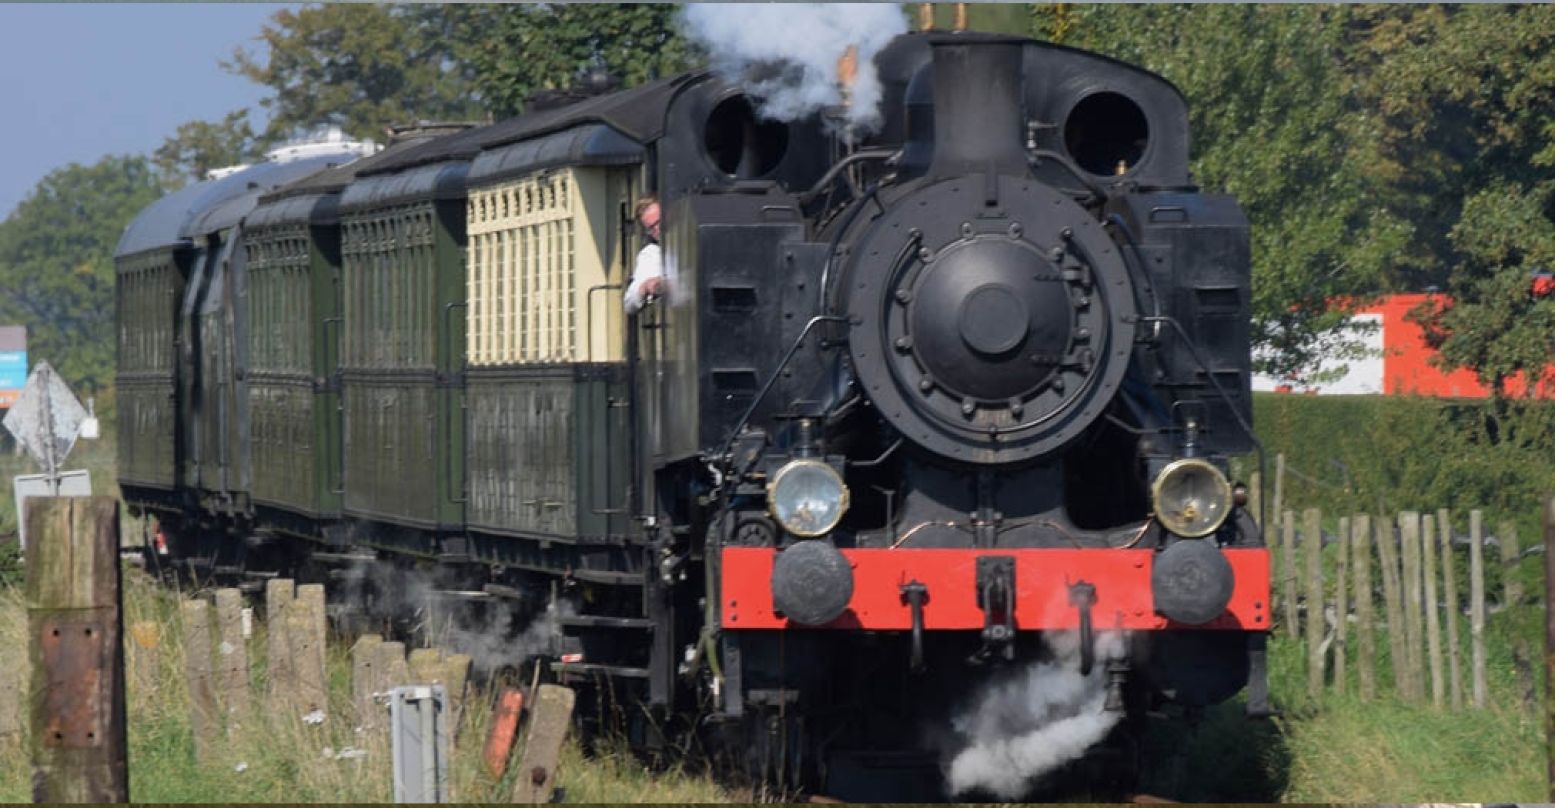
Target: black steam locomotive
[(911, 403)]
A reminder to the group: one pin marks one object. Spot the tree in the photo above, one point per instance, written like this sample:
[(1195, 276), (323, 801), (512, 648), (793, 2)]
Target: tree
[(514, 50), (362, 67), (56, 262), (199, 146), (1464, 102), (1272, 123)]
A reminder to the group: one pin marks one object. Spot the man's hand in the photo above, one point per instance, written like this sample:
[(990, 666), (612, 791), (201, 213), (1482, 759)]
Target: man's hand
[(653, 286)]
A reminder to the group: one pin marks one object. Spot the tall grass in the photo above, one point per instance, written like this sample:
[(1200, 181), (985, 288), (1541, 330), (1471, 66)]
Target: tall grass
[(274, 757)]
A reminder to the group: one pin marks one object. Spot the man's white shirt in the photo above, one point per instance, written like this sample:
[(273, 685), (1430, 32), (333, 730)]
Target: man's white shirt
[(650, 264)]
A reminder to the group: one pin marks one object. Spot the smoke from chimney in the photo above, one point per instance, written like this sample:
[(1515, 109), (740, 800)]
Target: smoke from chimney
[(790, 56)]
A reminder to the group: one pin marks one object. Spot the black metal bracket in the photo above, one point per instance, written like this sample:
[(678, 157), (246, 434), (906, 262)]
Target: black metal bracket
[(996, 597), (1082, 596), (915, 594), (1258, 676)]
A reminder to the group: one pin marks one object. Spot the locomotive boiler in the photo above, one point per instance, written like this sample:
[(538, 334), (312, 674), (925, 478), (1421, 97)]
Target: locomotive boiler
[(915, 403)]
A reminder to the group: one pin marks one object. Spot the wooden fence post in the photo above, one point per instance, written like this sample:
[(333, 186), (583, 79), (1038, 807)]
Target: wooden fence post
[(548, 723), (1433, 624), (1366, 660), (311, 596), (1392, 598), (306, 656), (425, 666), (1255, 498), (1477, 603), (1288, 573), (456, 677), (1312, 548), (75, 653), (203, 716), (1511, 588), (364, 678), (1341, 604), (1414, 619), (279, 595), (1279, 487), (232, 656), (1549, 636), (145, 644), (1450, 584)]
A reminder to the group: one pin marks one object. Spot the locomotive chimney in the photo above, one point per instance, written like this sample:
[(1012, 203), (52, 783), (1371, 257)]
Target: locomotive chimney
[(978, 104)]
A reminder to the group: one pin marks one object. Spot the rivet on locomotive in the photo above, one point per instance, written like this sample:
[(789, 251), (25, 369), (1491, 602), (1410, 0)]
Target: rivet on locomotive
[(911, 402)]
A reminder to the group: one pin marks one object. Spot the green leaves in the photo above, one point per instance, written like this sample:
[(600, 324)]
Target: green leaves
[(56, 263)]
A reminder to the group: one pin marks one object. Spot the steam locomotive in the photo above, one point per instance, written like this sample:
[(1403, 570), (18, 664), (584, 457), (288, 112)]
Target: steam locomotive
[(914, 400)]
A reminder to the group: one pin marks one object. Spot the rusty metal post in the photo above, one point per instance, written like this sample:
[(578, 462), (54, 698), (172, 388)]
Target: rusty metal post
[(74, 619)]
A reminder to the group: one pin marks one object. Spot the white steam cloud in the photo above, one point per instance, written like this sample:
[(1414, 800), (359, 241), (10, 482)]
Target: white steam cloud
[(786, 54), (1035, 720)]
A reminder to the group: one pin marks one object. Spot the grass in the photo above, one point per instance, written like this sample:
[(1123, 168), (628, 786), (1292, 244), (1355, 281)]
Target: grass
[(275, 757)]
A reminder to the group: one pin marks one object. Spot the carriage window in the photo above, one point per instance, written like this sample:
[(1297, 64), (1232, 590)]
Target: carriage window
[(537, 262)]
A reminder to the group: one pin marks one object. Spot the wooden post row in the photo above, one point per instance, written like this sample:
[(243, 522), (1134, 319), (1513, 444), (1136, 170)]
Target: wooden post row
[(1414, 619), (1511, 552), (1433, 627), (1387, 558), (75, 652), (1477, 603), (1549, 637), (1312, 547), (231, 657), (279, 594), (204, 719), (1450, 585), (1341, 605), (1288, 573), (1366, 671)]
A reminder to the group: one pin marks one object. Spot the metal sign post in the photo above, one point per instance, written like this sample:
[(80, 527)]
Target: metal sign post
[(419, 743)]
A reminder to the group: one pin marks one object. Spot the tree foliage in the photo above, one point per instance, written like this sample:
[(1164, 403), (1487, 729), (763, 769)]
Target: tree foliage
[(199, 146), (359, 66), (1272, 124), (514, 50), (56, 263)]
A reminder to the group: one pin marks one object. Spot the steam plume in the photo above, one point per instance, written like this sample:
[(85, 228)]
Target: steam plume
[(787, 54), (1032, 722)]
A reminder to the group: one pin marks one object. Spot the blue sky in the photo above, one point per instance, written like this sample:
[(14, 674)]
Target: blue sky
[(78, 81)]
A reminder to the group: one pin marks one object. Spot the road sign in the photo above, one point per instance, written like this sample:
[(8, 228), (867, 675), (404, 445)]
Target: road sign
[(70, 484), (46, 419), (13, 363)]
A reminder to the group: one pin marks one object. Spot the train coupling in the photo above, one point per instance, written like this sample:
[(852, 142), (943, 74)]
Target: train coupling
[(996, 597)]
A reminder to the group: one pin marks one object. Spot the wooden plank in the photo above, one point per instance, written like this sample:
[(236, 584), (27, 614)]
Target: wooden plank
[(1312, 547), (204, 717), (1365, 620), (231, 657), (1511, 553), (1414, 617), (1477, 603), (1288, 573), (364, 679), (1450, 593), (1433, 623), (548, 723), (1341, 604), (75, 653), (279, 596), (1392, 598), (1278, 506)]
